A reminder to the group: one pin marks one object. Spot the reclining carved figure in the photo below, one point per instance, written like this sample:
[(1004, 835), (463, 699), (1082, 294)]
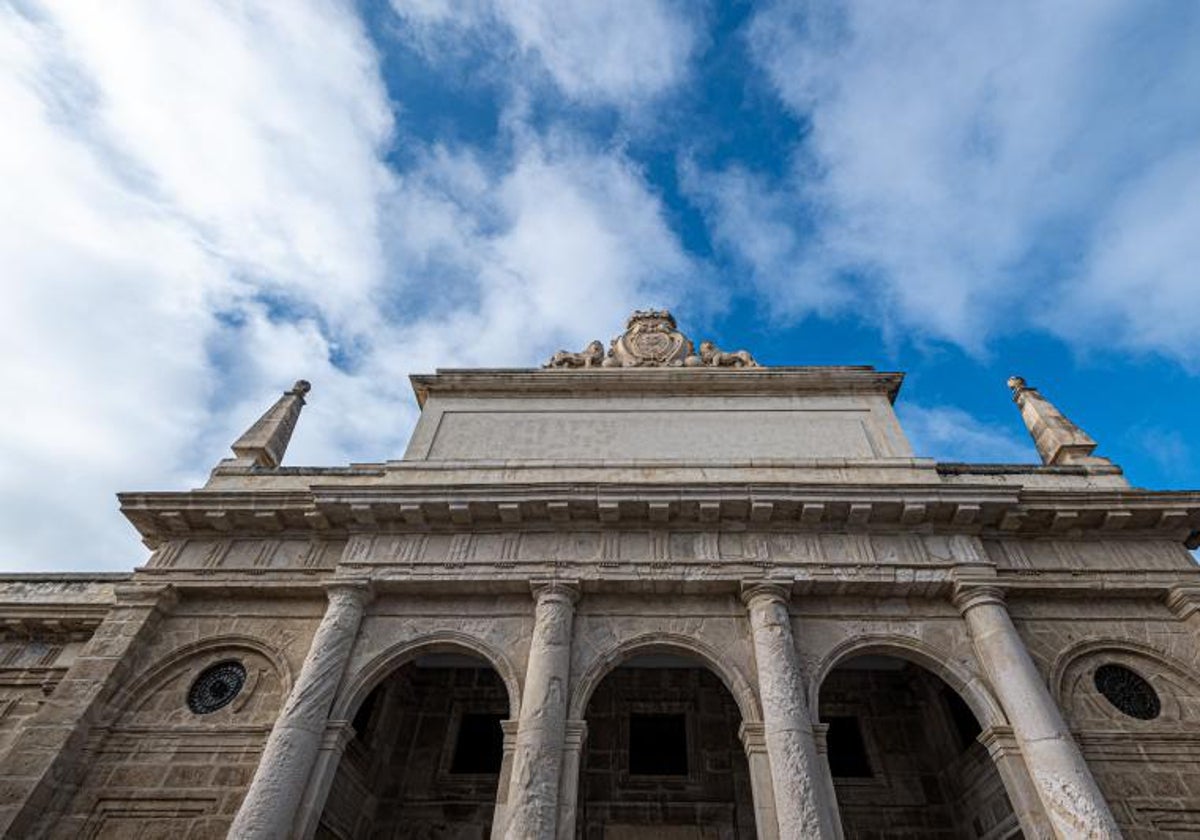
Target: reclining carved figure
[(590, 356)]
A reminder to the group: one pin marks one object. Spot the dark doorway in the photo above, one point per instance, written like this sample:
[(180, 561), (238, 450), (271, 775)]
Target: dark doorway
[(425, 757), (904, 757), (663, 759)]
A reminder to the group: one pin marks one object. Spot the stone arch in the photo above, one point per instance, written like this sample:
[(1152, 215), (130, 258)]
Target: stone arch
[(136, 693), (361, 683), (1181, 703), (971, 687), (605, 662)]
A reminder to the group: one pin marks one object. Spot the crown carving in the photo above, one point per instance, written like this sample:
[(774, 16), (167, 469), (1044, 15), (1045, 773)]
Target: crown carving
[(651, 339)]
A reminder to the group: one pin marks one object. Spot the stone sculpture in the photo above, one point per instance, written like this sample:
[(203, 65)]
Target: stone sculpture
[(590, 356), (651, 339)]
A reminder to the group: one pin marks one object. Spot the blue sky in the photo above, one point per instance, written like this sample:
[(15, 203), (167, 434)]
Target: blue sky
[(204, 202)]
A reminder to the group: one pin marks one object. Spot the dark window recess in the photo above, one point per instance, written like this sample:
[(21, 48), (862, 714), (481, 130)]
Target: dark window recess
[(216, 687), (362, 718), (1128, 691), (965, 724), (479, 748), (658, 745), (847, 752)]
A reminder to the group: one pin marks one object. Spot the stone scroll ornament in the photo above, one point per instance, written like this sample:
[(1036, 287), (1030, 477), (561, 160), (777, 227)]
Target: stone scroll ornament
[(651, 339)]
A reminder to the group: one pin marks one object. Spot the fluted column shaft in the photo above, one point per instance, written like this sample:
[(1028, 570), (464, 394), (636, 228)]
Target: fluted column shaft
[(791, 747), (537, 762), (278, 787), (1071, 798)]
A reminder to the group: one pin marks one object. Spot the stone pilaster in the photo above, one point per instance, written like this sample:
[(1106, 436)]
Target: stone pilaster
[(537, 762), (568, 791), (795, 765), (500, 814), (338, 733), (1061, 777), (821, 733), (275, 794), (1005, 753), (754, 740), (42, 767)]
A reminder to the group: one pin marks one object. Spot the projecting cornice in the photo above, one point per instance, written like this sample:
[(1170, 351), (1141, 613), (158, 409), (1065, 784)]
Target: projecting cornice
[(985, 510), (754, 381)]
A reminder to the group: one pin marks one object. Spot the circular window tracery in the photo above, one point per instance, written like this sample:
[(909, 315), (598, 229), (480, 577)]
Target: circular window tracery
[(216, 687), (1128, 691)]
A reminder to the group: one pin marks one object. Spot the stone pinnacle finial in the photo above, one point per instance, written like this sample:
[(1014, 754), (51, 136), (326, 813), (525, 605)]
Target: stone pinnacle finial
[(264, 443), (1058, 440)]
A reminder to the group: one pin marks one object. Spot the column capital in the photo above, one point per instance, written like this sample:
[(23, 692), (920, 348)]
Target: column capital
[(766, 590), (967, 596), (357, 588), (561, 590), (821, 736), (1184, 601), (337, 734), (754, 737), (999, 741), (575, 734)]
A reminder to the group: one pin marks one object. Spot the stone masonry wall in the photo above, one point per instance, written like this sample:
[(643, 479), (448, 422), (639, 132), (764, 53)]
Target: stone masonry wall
[(1149, 770), (154, 768), (925, 782), (714, 798), (396, 779)]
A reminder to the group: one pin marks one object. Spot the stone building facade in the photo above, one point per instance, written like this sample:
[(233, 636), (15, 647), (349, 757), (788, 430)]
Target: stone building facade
[(647, 591)]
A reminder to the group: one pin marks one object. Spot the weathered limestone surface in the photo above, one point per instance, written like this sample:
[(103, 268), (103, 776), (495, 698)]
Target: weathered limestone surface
[(1071, 798), (657, 477), (788, 727), (43, 763), (537, 761), (273, 798)]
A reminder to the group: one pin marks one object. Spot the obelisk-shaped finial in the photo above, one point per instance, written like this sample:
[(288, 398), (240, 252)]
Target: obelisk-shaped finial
[(1058, 440), (264, 443)]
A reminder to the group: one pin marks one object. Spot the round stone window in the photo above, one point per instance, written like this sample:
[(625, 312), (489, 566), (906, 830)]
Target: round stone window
[(1128, 692), (216, 687)]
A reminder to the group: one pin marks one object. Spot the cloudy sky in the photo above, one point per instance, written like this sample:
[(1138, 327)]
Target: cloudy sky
[(201, 202)]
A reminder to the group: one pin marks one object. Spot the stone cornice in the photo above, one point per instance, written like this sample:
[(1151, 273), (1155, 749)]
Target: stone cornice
[(987, 510), (658, 381)]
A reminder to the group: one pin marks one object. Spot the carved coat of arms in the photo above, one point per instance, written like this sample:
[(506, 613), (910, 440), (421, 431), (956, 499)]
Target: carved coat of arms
[(651, 339)]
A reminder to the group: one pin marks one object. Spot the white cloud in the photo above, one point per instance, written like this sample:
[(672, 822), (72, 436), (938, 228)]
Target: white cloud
[(972, 167), (948, 433), (619, 52), (196, 213)]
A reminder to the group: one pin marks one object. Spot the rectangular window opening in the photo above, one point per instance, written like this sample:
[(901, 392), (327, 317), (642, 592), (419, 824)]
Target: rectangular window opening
[(479, 747), (847, 752), (658, 745)]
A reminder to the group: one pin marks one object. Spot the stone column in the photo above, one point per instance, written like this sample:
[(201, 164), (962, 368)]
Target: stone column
[(500, 813), (754, 739), (568, 791), (1005, 752), (42, 766), (338, 733), (537, 762), (821, 734), (795, 765), (275, 794), (1069, 794)]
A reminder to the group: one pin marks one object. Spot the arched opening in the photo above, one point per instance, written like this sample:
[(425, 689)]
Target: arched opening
[(663, 758), (904, 757), (425, 757)]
